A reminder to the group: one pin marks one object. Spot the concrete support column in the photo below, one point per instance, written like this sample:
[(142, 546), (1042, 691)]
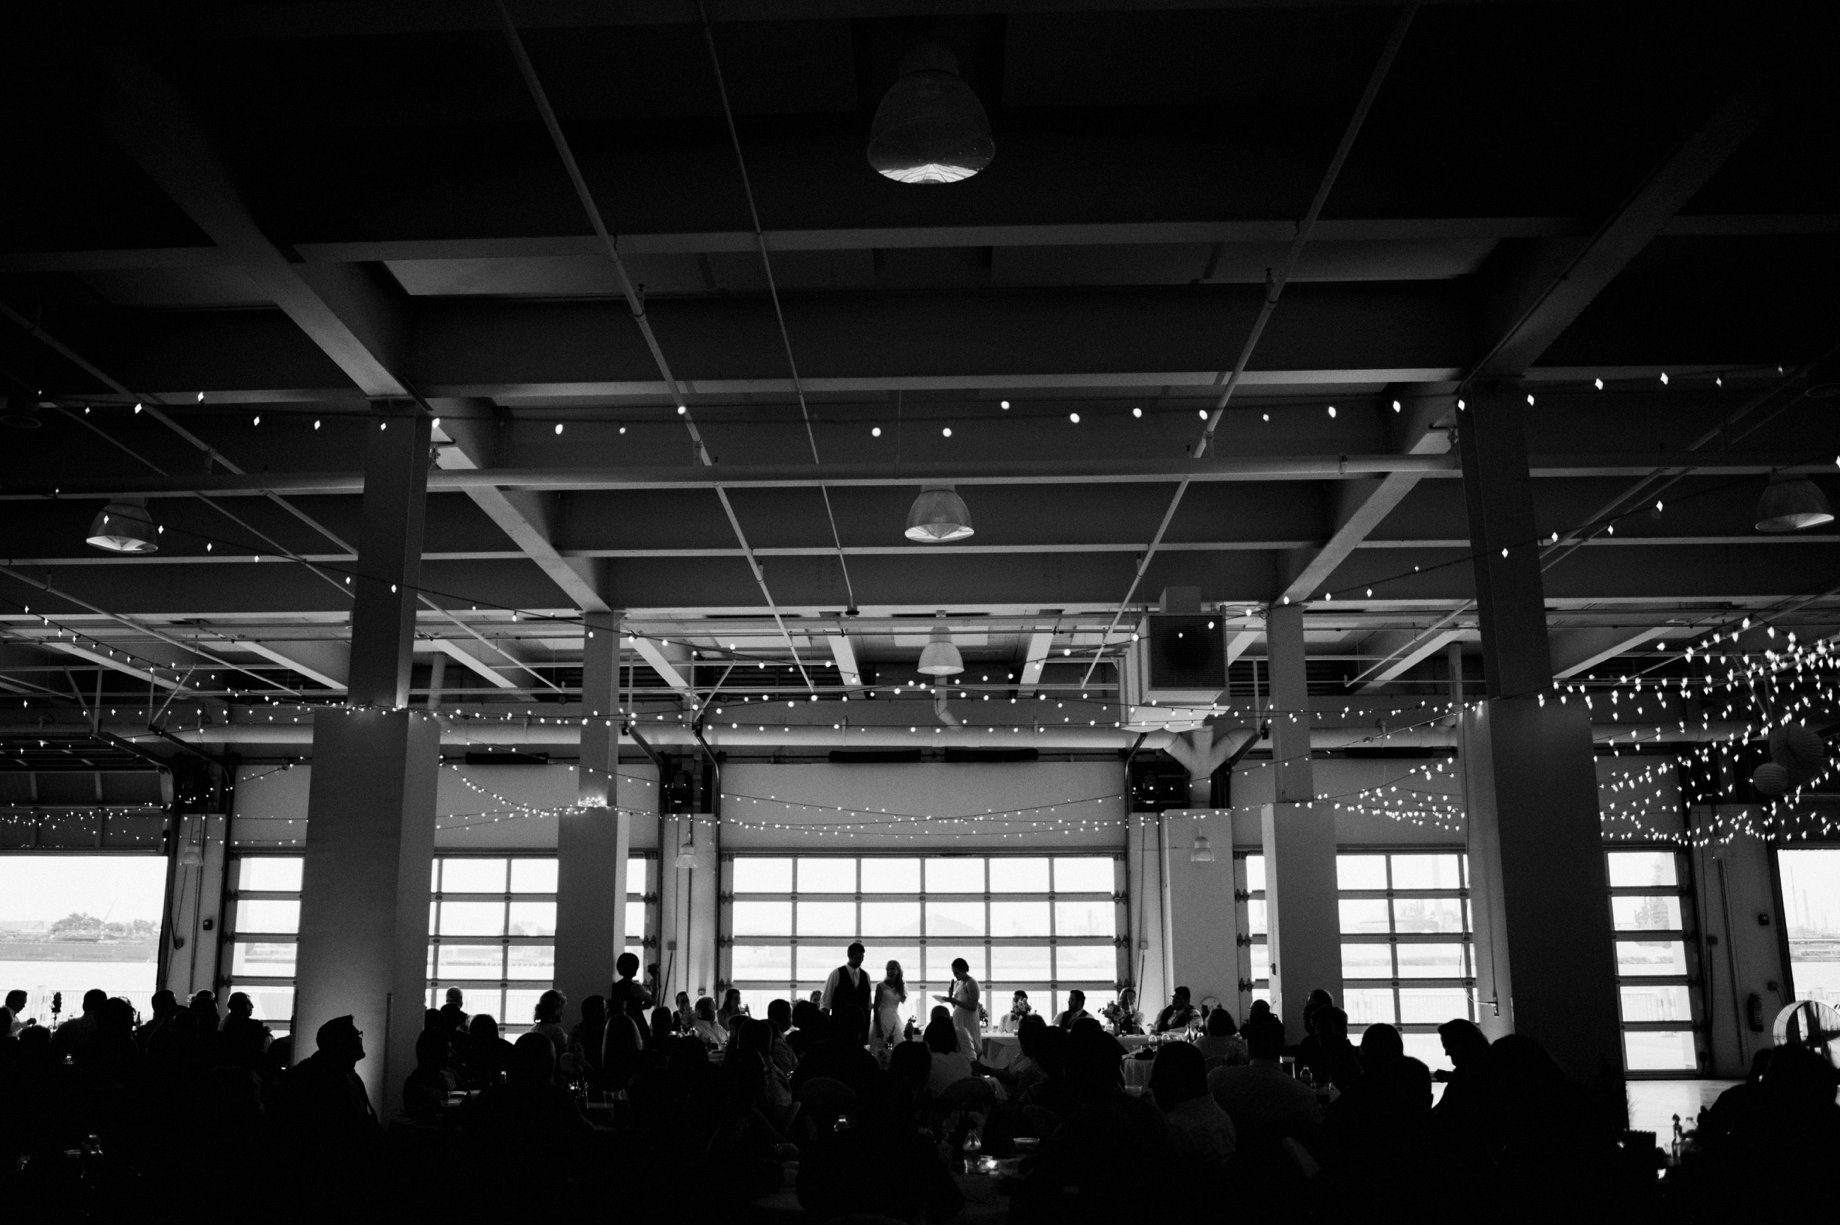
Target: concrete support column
[(594, 840), (690, 876), (1303, 920), (371, 804), (1539, 878), (1144, 869)]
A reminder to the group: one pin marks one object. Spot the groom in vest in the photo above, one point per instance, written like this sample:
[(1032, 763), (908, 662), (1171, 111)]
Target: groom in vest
[(846, 996)]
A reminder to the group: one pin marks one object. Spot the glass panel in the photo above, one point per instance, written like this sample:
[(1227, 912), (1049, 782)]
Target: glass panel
[(1086, 963), (1428, 1049), (771, 962), (454, 960), (1019, 919), (1011, 967), (1255, 874), (891, 876), (1087, 874), (272, 873), (1811, 901), (1261, 961), (1656, 912), (954, 920), (763, 875), (1432, 1005), (891, 918), (1367, 961), (263, 960), (1427, 914), (531, 961), (955, 875), (1085, 919), (816, 961), (1431, 961), (473, 875), (533, 919), (1364, 916), (274, 1004), (827, 876), (638, 872), (1660, 1051), (763, 918), (1656, 1002), (520, 1011), (1635, 869), (1427, 872), (1255, 918), (1367, 1006), (1360, 871), (635, 923), (1018, 876), (281, 918), (1638, 957), (539, 876), (826, 919), (939, 959)]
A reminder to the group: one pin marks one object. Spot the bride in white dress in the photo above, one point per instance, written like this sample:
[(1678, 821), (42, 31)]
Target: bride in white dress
[(890, 997)]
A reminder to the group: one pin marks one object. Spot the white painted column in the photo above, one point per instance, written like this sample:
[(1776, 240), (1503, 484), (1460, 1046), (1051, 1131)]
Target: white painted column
[(595, 840)]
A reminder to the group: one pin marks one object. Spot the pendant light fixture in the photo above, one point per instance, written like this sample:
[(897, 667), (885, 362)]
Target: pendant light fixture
[(1202, 852), (940, 657), (124, 527), (938, 516), (1792, 504), (930, 127)]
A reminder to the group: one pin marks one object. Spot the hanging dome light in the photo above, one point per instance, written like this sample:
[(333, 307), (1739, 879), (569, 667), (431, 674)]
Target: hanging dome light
[(1202, 852), (1792, 504), (930, 127), (938, 515), (124, 527), (939, 657)]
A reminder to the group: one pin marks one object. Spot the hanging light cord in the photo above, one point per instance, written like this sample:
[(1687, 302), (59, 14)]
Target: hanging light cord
[(779, 314)]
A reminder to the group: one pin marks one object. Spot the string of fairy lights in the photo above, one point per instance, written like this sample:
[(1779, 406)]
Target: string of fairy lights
[(1755, 681)]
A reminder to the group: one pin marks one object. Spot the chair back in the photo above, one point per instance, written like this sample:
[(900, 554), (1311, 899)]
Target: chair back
[(822, 1099)]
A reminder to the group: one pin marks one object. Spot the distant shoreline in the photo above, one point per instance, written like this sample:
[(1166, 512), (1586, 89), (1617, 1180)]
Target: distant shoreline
[(79, 950)]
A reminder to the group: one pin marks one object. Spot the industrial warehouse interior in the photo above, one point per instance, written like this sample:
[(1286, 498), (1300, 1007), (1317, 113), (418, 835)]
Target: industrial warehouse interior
[(1127, 609)]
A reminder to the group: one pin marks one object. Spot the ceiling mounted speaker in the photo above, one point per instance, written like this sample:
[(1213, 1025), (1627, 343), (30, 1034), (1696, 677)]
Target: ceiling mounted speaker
[(124, 527), (1792, 504), (930, 127), (938, 515)]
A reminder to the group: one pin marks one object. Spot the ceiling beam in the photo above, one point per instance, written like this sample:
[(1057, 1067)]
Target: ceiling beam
[(328, 663), (843, 651), (1580, 650), (117, 665), (1403, 651), (1034, 657), (465, 655), (671, 661)]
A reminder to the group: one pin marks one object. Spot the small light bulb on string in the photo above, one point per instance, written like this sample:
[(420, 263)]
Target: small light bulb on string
[(946, 432), (875, 431), (1074, 417), (1137, 412)]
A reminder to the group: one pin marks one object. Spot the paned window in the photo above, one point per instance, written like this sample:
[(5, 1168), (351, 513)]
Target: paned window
[(491, 925), (1042, 924), (1811, 916), (1650, 908), (69, 923)]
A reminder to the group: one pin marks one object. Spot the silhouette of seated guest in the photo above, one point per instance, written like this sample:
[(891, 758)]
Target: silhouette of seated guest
[(13, 1017), (204, 1007), (1222, 1040), (779, 1017), (527, 1130), (882, 1165), (109, 1056), (327, 1115), (1201, 1135), (161, 1009), (1378, 1133), (799, 1037), (835, 1052), (1266, 1106), (488, 1055), (705, 1026), (1261, 1012), (1460, 1116), (664, 1028), (453, 1010), (1112, 1151), (1177, 1016), (425, 1091), (949, 1064), (243, 1039), (72, 1034), (547, 1020), (1784, 1139), (589, 1038), (1327, 1052)]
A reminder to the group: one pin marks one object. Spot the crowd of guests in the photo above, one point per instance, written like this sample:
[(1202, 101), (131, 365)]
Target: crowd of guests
[(657, 1108)]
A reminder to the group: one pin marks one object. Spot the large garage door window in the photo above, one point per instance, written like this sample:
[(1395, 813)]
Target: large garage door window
[(1041, 924), (491, 923), (1811, 913), (69, 923), (1650, 909)]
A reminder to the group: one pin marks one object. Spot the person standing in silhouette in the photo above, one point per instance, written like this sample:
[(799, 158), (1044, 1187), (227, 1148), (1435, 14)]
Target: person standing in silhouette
[(846, 994)]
